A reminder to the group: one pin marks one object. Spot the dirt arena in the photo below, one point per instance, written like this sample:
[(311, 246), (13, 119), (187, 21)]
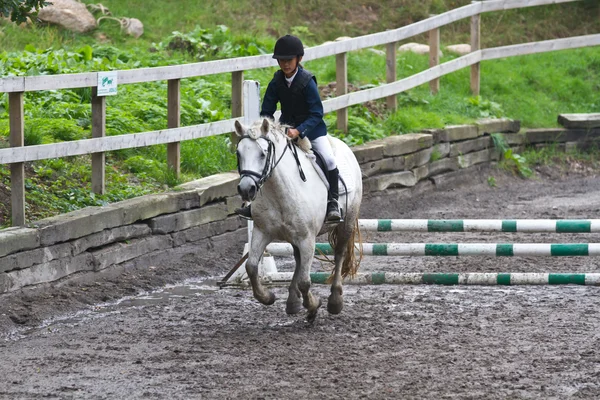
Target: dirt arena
[(128, 336)]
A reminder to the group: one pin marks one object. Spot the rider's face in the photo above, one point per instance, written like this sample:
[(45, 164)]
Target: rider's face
[(289, 66)]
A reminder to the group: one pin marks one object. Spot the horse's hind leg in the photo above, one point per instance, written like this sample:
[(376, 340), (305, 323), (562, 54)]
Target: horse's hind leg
[(257, 248), (302, 276), (335, 303)]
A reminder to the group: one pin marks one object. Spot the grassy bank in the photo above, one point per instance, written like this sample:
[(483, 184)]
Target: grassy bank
[(533, 89)]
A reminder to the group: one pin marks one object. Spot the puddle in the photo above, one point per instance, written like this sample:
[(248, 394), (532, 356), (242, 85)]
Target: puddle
[(163, 295), (188, 288)]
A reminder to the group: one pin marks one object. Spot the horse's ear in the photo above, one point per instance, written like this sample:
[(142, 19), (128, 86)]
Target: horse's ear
[(265, 126), (239, 129)]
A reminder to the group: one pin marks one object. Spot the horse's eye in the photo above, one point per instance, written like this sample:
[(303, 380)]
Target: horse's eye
[(262, 155)]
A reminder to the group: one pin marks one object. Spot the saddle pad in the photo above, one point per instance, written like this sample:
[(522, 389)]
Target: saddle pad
[(344, 174)]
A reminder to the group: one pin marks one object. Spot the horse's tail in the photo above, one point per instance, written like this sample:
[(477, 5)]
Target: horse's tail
[(351, 261)]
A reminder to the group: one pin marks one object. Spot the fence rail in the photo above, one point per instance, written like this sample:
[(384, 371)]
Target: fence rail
[(174, 134)]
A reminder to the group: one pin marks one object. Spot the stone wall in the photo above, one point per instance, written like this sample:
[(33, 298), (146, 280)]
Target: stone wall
[(98, 238)]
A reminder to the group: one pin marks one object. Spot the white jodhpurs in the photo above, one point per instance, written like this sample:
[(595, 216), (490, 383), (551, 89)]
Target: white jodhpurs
[(323, 147)]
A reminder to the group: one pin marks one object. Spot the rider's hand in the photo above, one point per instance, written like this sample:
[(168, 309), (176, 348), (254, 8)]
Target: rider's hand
[(293, 133)]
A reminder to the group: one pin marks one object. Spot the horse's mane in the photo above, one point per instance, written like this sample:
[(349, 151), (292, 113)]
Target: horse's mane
[(277, 130)]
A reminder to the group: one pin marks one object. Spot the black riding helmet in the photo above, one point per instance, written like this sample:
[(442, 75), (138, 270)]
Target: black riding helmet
[(288, 47)]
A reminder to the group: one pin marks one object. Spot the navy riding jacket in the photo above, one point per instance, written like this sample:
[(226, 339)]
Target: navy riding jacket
[(301, 105)]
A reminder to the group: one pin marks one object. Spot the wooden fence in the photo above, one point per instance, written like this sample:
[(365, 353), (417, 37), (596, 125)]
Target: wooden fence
[(18, 154)]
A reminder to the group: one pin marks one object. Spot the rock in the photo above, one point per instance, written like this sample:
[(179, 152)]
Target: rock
[(69, 14), (377, 51), (460, 49), (416, 48), (133, 27)]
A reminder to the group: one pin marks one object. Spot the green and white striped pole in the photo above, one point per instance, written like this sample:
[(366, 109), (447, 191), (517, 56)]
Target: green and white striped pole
[(469, 278), (480, 225), (456, 249)]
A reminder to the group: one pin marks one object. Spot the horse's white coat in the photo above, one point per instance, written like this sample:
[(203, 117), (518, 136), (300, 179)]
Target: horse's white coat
[(291, 210)]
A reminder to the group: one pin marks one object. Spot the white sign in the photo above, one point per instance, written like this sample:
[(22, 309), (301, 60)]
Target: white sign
[(107, 83)]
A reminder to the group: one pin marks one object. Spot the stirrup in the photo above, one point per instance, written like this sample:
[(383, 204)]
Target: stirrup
[(244, 212), (333, 216), (333, 220)]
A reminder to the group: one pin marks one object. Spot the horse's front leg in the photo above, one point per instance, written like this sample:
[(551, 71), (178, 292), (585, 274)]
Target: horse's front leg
[(257, 248), (294, 301), (302, 276)]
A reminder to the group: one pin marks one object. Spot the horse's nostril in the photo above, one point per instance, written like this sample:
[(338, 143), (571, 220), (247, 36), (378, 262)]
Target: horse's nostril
[(239, 189), (252, 192)]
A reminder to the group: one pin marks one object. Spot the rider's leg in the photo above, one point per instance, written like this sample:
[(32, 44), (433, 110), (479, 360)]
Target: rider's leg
[(333, 209), (323, 147)]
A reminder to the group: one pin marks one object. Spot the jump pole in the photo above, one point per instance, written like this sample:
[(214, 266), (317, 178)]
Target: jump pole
[(456, 249), (467, 278), (480, 225)]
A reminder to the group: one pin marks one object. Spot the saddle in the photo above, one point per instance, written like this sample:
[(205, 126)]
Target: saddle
[(319, 164)]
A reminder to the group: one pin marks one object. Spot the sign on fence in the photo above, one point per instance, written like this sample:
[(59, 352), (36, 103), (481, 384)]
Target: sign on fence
[(107, 83)]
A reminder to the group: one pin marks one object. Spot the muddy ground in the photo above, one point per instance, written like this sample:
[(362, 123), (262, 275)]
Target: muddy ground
[(102, 340)]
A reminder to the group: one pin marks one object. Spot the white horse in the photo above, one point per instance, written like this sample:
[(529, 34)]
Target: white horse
[(288, 208)]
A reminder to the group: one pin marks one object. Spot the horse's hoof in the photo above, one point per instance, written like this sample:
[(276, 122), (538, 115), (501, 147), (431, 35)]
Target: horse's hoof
[(268, 299), (294, 308), (312, 314), (335, 307), (271, 299)]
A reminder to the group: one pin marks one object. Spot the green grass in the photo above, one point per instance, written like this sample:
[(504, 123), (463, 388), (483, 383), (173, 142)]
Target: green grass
[(533, 89), (315, 20)]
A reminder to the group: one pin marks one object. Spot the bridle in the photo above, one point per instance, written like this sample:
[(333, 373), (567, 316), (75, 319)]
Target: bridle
[(270, 163)]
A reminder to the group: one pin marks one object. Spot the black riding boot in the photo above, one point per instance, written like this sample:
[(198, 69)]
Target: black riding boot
[(244, 212), (333, 209)]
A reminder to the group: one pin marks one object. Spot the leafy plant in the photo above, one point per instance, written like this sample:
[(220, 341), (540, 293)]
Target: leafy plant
[(517, 162), (486, 108), (210, 44), (359, 130), (53, 130), (510, 159), (18, 10)]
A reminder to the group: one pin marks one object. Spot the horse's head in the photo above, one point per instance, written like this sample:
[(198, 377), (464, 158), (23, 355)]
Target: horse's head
[(255, 155)]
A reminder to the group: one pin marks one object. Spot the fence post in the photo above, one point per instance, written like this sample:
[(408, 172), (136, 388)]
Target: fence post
[(237, 100), (17, 170), (341, 88), (391, 75), (251, 106), (174, 121), (434, 57), (251, 101), (98, 131), (475, 45)]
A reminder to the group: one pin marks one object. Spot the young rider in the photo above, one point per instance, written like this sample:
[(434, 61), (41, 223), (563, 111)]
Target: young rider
[(301, 108)]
